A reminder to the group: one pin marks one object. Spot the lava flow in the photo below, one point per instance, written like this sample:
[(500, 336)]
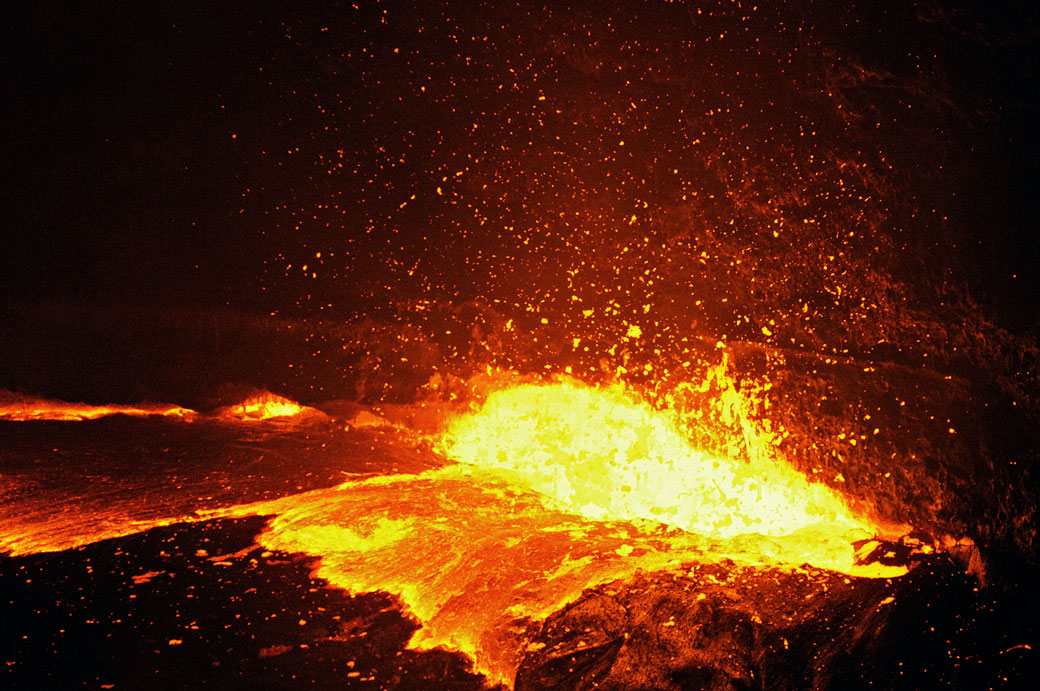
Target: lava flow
[(557, 487), (20, 408), (73, 498), (543, 490)]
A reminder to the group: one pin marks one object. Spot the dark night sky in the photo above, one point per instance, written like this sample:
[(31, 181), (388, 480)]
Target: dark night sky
[(185, 153), (120, 161)]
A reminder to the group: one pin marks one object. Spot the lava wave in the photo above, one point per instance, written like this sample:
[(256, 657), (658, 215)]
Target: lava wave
[(603, 454)]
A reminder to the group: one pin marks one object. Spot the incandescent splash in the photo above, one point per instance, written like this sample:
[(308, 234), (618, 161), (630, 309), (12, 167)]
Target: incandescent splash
[(262, 406), (604, 455)]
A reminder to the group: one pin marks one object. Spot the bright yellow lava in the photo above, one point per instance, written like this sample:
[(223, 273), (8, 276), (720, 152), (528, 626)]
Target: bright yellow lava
[(602, 454), (262, 407)]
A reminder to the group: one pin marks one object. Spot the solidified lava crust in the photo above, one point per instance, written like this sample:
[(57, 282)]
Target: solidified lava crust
[(201, 604), (725, 627)]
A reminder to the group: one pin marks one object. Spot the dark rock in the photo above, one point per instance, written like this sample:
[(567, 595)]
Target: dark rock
[(728, 627)]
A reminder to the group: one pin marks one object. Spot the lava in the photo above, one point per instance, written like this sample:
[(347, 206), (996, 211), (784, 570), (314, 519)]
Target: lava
[(605, 455), (539, 490), (263, 406), (21, 408), (377, 203), (545, 489), (474, 558), (555, 488), (89, 495)]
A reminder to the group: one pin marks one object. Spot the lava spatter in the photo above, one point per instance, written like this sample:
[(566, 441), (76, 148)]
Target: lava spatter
[(263, 406), (603, 454)]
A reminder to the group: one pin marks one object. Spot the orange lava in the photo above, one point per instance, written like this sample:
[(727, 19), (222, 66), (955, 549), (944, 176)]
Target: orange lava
[(22, 408), (472, 557), (547, 489), (558, 487), (263, 406)]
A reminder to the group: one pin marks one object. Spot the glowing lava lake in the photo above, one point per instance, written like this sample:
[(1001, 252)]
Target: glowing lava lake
[(490, 526)]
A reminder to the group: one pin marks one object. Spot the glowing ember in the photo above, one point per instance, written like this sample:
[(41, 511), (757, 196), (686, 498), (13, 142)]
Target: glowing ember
[(262, 407), (14, 407)]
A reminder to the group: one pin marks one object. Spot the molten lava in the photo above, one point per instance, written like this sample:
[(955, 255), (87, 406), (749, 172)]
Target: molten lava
[(543, 491), (559, 487), (22, 408), (263, 406), (605, 455)]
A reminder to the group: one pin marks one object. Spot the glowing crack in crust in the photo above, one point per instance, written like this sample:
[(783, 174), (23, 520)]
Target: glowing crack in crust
[(19, 408)]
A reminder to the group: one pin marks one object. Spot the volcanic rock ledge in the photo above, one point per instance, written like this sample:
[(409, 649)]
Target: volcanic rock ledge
[(728, 627)]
